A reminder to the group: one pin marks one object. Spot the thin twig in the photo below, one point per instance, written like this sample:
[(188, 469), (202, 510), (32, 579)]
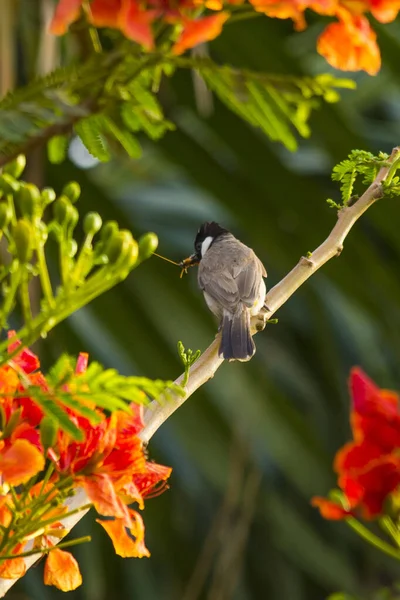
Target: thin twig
[(207, 364)]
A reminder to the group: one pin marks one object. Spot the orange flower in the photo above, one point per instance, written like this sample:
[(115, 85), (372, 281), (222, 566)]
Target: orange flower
[(369, 467), (110, 464), (19, 462), (135, 19), (62, 571), (350, 45)]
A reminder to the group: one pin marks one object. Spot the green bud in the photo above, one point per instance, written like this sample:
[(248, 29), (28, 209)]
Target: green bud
[(48, 432), (42, 232), (119, 247), (72, 248), (8, 184), (147, 245), (92, 223), (63, 210), (73, 218), (108, 230), (29, 200), (16, 167), (72, 190), (5, 215), (131, 256), (23, 240), (48, 196)]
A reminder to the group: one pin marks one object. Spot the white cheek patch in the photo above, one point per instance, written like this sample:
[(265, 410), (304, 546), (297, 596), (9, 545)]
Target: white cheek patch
[(206, 244)]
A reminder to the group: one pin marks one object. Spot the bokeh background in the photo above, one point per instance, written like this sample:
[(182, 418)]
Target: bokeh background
[(252, 447)]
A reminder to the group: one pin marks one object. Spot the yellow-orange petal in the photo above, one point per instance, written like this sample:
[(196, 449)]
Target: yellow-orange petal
[(101, 492), (124, 544), (62, 571), (12, 568), (350, 46), (198, 31), (67, 11), (21, 461)]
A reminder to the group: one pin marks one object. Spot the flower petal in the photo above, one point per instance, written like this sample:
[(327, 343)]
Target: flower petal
[(67, 12), (101, 492), (350, 46), (328, 509), (26, 360), (105, 13), (82, 363), (198, 31), (123, 541), (20, 461), (12, 568), (62, 570)]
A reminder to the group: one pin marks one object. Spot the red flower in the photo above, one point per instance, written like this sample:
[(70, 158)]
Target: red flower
[(368, 467), (110, 463)]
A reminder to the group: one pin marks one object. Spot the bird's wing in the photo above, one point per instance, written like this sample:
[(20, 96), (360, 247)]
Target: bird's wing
[(234, 283), (222, 287), (248, 277)]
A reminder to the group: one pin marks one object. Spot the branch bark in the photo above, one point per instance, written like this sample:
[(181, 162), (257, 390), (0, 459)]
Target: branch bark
[(208, 363)]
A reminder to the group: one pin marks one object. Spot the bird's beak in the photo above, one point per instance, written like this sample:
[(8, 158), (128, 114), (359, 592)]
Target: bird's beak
[(191, 261)]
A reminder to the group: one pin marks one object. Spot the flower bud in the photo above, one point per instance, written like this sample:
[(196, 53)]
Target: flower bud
[(147, 245), (72, 248), (108, 230), (72, 190), (16, 167), (48, 432), (63, 210), (92, 223), (29, 200), (5, 215), (119, 246), (131, 256), (48, 196), (24, 240), (8, 185), (42, 233), (73, 218)]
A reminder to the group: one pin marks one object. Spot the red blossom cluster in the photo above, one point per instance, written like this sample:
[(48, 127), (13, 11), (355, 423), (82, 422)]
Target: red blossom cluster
[(109, 464), (349, 43), (368, 468)]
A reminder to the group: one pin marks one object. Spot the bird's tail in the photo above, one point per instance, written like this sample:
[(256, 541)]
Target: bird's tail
[(236, 340)]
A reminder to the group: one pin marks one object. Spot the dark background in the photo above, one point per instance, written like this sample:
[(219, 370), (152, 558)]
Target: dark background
[(252, 447)]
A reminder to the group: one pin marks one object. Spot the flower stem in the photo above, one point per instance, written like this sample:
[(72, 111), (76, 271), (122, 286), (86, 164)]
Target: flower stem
[(373, 539), (81, 540), (44, 275), (24, 297)]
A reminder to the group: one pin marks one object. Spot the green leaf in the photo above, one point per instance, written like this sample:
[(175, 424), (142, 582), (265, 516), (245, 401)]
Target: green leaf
[(276, 104), (91, 131), (125, 138)]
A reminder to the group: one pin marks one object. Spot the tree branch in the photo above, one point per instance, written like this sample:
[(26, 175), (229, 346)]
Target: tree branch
[(207, 364)]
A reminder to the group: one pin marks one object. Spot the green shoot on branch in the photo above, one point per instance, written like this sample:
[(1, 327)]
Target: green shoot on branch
[(188, 357)]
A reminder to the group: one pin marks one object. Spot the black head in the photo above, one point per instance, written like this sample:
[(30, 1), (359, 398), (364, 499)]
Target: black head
[(207, 230)]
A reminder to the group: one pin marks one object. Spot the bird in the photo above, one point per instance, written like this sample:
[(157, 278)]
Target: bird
[(231, 278)]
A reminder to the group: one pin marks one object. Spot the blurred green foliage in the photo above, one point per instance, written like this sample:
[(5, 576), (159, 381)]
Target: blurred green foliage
[(255, 443)]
